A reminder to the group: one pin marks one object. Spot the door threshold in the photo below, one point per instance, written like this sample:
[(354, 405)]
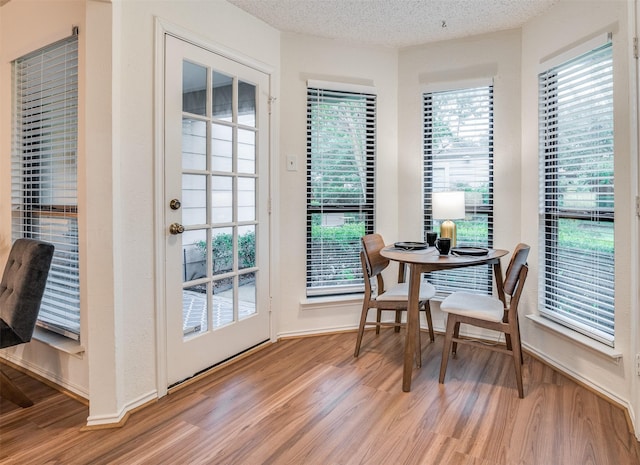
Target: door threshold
[(218, 366)]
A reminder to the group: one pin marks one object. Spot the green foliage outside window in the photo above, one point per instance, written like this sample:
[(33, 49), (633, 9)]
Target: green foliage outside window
[(222, 250), (346, 234)]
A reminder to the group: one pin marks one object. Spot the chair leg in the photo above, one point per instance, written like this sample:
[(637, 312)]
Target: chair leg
[(456, 334), (521, 354), (427, 312), (517, 331), (517, 362), (398, 321), (363, 320), (378, 320), (446, 347), (418, 345), (507, 338), (10, 391)]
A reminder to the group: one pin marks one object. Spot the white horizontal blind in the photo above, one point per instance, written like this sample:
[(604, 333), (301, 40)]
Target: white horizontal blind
[(577, 194), (458, 156), (341, 138), (44, 172)]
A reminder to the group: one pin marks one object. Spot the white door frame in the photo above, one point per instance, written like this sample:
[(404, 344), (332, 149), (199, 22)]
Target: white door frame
[(634, 76), (162, 28)]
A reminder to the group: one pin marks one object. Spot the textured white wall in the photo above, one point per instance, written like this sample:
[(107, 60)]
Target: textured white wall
[(117, 152), (304, 58), (563, 27), (494, 56), (513, 58), (116, 196), (218, 23), (46, 22)]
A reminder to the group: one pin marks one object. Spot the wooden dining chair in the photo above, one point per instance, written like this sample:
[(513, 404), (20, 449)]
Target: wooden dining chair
[(491, 313), (393, 298)]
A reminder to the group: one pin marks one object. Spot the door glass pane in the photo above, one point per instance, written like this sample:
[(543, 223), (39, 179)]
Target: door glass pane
[(194, 266), (246, 199), (194, 199), (194, 254), (194, 144), (219, 191), (247, 295), (222, 96), (194, 310), (194, 88), (221, 199), (223, 301), (222, 250), (221, 148), (246, 104), (246, 151), (246, 246)]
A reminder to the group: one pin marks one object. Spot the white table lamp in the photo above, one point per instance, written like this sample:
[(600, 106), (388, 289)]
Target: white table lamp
[(448, 206)]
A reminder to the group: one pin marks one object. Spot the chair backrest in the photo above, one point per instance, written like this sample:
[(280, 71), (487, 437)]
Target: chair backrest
[(518, 261), (372, 244), (22, 288)]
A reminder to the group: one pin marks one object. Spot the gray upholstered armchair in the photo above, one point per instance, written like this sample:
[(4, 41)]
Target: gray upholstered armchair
[(21, 290)]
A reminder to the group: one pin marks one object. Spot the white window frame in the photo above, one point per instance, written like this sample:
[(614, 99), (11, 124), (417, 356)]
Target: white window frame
[(334, 269), (44, 172), (577, 275), (478, 205)]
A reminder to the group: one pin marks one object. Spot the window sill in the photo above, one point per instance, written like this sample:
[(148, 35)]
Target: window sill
[(602, 349), (320, 303), (61, 343)]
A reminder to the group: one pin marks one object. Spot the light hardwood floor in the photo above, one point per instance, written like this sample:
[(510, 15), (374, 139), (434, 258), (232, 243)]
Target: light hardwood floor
[(308, 401)]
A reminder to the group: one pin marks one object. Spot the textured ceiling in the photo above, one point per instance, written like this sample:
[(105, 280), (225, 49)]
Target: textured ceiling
[(394, 23)]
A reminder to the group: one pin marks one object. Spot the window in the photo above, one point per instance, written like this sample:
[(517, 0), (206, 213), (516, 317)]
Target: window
[(577, 195), (341, 138), (458, 156), (44, 172)]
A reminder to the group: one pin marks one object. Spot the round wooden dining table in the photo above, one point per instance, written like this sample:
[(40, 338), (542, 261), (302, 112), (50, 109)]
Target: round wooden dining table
[(424, 261)]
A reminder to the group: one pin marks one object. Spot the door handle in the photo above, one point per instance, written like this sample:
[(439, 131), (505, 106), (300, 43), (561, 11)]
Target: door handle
[(176, 228)]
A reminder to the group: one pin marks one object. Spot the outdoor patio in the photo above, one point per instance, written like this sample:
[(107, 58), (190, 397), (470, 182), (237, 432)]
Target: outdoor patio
[(194, 305)]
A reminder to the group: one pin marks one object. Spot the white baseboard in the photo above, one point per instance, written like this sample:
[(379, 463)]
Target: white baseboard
[(566, 370), (317, 332), (117, 417), (49, 375)]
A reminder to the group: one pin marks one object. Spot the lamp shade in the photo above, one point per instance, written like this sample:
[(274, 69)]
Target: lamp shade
[(448, 205)]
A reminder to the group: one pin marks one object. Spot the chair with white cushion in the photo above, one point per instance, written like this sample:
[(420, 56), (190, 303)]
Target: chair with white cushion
[(395, 298), (491, 313)]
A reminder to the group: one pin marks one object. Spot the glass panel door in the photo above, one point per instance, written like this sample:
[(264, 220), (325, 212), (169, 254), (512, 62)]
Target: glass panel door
[(216, 162)]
